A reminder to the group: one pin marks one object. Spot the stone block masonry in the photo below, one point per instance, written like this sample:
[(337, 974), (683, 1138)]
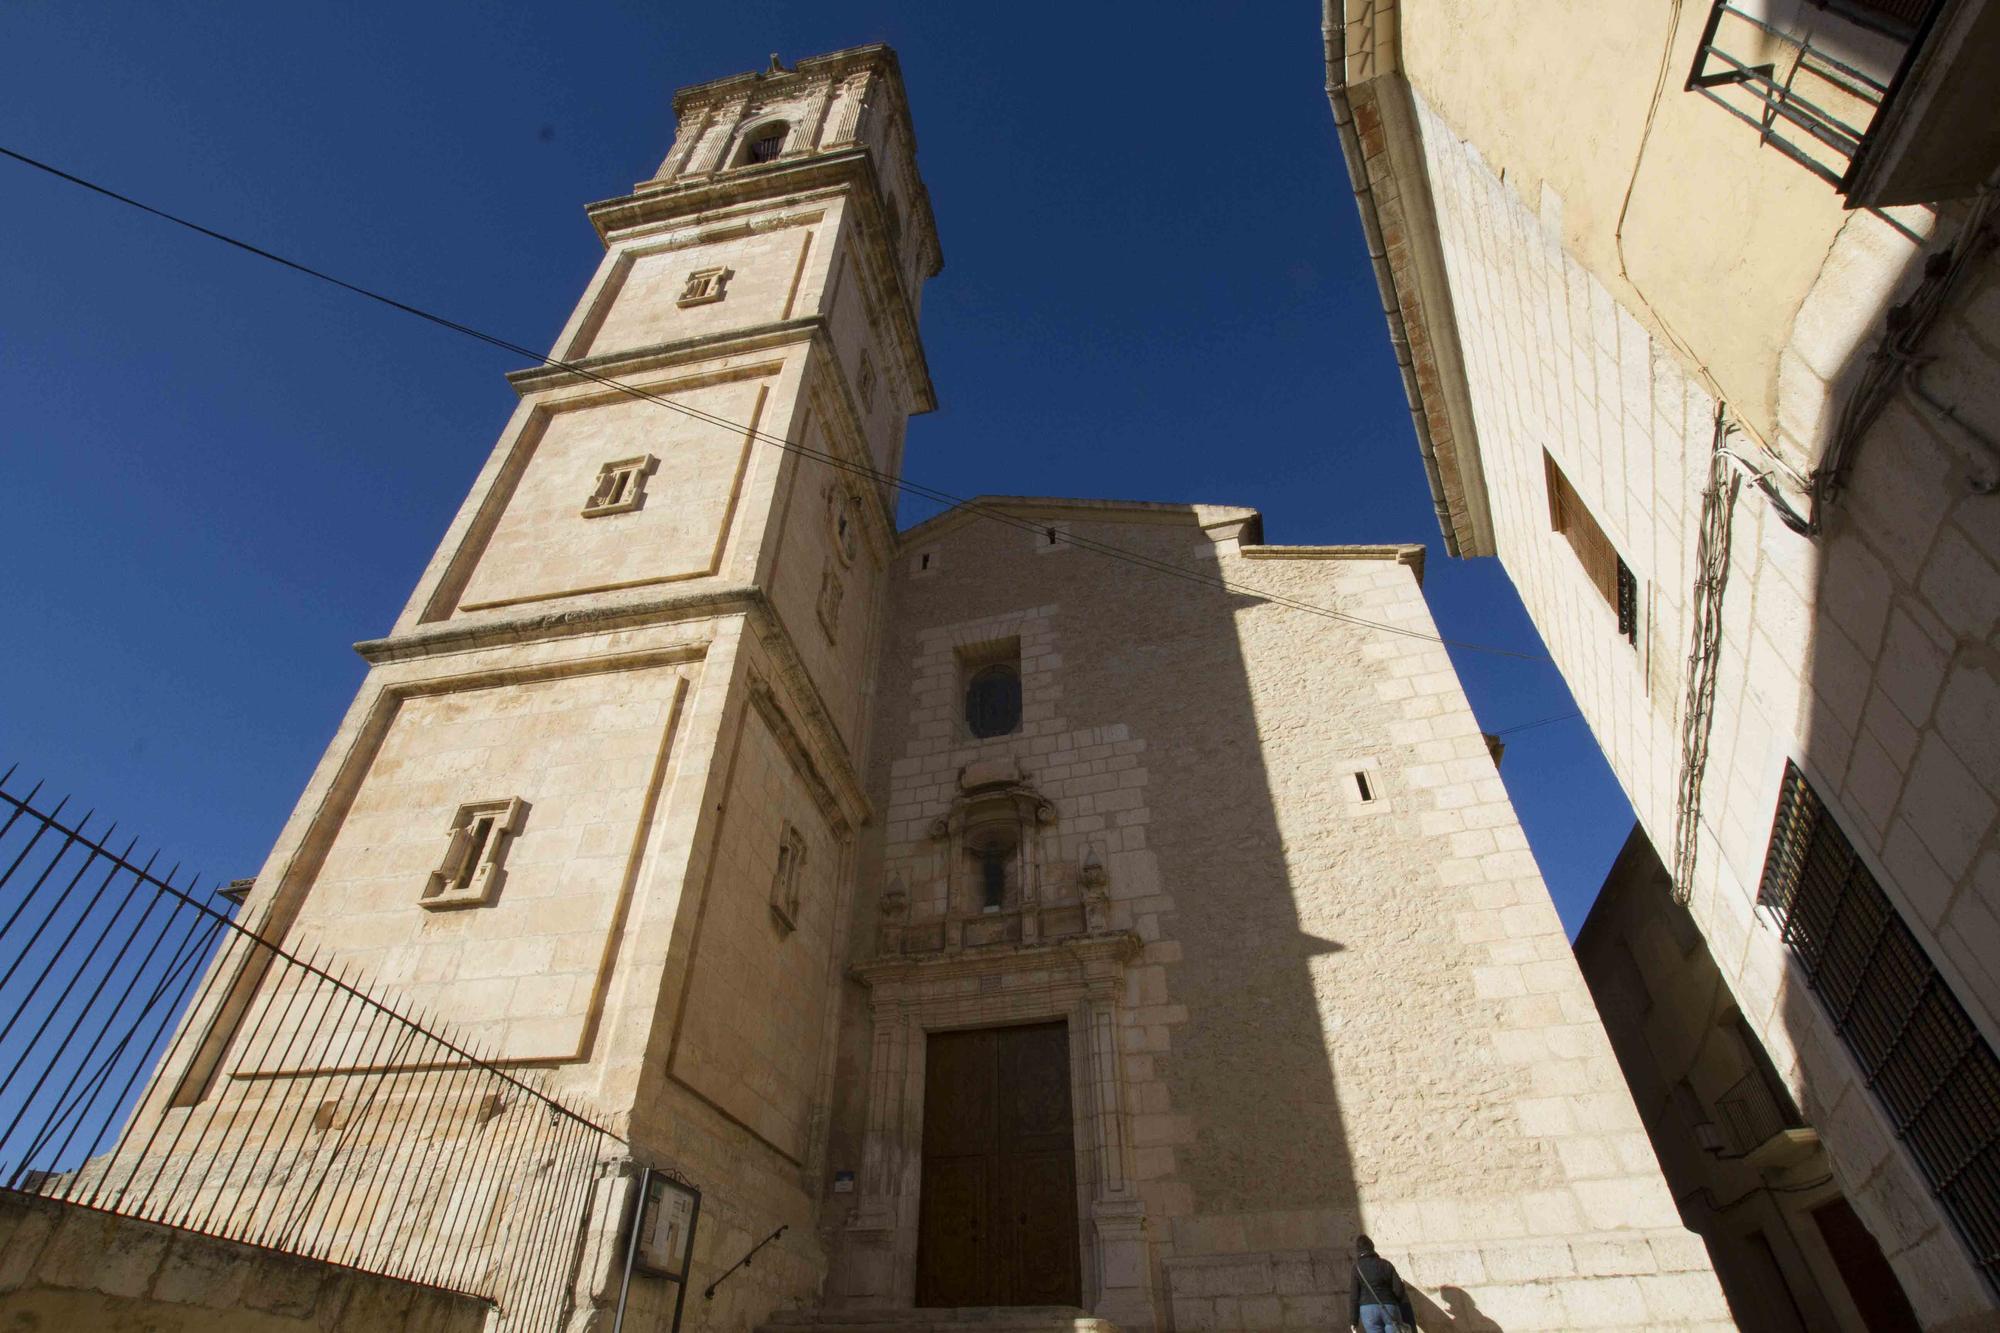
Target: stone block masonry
[(1349, 1004), (63, 1267), (1863, 655)]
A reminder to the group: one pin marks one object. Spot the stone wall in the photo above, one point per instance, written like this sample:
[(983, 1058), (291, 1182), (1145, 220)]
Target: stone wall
[(1863, 655), (67, 1268), (1345, 1011), (1751, 1187)]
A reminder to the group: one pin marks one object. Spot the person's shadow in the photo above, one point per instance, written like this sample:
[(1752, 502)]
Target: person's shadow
[(1459, 1313)]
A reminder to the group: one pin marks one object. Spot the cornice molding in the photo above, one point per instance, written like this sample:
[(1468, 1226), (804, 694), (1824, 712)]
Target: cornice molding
[(1080, 953), (826, 744), (639, 360), (1405, 553)]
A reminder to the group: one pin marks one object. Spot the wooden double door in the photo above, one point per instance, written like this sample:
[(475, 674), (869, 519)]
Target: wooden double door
[(997, 1218)]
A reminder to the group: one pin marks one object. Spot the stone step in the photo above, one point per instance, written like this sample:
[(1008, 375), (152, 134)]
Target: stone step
[(977, 1319)]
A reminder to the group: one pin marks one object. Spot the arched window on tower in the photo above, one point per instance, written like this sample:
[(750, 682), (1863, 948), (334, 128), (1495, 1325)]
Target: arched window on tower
[(764, 143), (993, 700)]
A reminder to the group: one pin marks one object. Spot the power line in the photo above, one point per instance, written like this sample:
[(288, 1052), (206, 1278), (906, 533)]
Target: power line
[(861, 469), (1538, 722)]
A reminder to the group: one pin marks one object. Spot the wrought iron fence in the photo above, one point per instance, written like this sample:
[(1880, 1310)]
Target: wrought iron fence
[(158, 1060)]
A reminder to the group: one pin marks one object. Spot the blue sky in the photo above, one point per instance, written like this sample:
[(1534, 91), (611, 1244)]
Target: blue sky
[(218, 475)]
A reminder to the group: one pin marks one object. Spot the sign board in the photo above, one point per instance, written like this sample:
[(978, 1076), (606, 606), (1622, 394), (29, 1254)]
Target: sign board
[(665, 1227)]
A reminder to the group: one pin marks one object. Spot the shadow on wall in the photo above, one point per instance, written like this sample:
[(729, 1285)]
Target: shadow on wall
[(1459, 1313), (1896, 740), (1249, 1166)]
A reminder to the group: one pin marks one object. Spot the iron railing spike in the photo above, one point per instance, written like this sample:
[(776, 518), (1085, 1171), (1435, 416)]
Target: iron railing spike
[(399, 1067)]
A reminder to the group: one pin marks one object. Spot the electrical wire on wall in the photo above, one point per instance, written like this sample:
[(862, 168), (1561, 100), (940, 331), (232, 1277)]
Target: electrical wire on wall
[(1711, 564), (893, 484), (1895, 363)]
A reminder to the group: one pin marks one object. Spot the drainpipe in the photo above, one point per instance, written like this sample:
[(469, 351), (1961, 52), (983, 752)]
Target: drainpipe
[(1334, 31)]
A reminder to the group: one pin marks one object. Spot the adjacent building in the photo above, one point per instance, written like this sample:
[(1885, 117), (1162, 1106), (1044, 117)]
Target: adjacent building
[(1747, 1171), (1061, 903), (1696, 307)]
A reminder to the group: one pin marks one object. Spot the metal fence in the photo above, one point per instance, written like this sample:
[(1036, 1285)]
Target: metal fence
[(1808, 105), (1752, 1114), (160, 1061)]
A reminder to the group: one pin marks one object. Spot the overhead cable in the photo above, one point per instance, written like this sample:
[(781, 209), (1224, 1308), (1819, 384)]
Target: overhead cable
[(989, 512)]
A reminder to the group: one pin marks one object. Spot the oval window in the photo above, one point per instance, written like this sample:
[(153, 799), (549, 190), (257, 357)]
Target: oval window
[(993, 701)]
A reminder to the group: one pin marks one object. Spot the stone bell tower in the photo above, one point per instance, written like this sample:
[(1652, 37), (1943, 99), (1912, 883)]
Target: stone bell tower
[(595, 803)]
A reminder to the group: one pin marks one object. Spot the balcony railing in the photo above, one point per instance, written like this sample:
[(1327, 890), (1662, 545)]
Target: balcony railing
[(1752, 1115), (1810, 104), (160, 1061)]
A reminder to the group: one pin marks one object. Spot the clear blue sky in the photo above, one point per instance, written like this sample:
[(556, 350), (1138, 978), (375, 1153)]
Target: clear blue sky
[(218, 475)]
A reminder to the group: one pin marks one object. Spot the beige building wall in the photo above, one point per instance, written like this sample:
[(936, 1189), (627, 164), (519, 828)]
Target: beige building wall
[(1747, 1173), (1294, 1012), (1611, 287), (68, 1268), (664, 682)]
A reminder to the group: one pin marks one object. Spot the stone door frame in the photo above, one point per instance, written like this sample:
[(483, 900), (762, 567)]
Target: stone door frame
[(1078, 980)]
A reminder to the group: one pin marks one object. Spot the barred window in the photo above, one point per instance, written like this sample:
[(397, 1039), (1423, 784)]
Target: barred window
[(767, 143), (1936, 1077)]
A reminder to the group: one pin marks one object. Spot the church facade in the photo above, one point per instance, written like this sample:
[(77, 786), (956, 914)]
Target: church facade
[(1060, 903)]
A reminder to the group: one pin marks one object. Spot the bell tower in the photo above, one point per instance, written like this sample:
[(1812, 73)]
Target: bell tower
[(595, 804)]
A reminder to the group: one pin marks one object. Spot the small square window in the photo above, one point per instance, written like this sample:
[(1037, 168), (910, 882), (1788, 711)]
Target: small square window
[(704, 285), (469, 874), (786, 882), (621, 486)]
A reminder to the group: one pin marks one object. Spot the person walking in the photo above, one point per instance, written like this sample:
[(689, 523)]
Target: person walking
[(1381, 1303)]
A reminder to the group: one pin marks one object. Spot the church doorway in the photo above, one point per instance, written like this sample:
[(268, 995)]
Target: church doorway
[(997, 1217)]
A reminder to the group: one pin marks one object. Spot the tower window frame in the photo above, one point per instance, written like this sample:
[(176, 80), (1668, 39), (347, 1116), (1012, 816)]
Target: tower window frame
[(787, 891), (704, 286), (764, 143), (864, 382), (843, 516), (831, 592), (621, 486), (473, 866)]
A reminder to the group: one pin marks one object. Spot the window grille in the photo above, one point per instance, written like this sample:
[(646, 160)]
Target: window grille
[(1628, 605), (766, 147), (1936, 1078)]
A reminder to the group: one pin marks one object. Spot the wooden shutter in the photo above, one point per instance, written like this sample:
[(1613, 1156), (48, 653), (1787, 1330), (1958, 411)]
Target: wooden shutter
[(1568, 516)]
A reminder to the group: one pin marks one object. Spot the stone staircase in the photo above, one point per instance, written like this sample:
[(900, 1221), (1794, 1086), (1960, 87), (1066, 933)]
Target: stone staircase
[(980, 1319)]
